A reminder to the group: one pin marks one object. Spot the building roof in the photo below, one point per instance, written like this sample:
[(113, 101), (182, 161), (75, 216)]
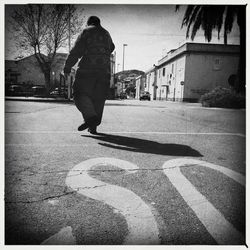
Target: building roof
[(199, 48), (151, 69), (24, 58), (138, 77)]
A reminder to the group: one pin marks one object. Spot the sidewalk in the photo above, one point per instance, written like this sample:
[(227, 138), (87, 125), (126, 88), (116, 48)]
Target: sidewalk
[(154, 103), (37, 99)]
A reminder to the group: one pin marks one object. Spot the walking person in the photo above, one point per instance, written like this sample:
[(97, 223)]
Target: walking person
[(93, 47)]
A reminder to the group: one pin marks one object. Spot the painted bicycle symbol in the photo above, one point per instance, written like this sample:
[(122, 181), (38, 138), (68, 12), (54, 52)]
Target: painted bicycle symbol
[(142, 226)]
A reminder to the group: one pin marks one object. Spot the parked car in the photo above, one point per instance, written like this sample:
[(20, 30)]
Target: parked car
[(123, 96), (59, 92), (145, 96), (14, 90), (39, 91)]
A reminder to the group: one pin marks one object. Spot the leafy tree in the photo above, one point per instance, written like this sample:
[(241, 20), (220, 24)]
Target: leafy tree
[(216, 17), (44, 28)]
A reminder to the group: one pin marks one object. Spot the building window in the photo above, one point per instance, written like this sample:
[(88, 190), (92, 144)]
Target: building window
[(217, 64), (163, 72), (172, 68)]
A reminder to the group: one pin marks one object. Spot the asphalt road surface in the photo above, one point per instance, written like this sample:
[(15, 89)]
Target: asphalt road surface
[(158, 173)]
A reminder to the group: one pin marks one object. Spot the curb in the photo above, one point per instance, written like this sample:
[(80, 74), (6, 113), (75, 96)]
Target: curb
[(28, 99)]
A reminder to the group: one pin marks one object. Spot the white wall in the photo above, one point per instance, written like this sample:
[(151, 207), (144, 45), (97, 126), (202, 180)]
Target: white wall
[(204, 72), (139, 84), (30, 71), (150, 81), (169, 84)]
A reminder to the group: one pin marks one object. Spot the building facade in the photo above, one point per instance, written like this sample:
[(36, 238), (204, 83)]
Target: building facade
[(139, 86), (28, 71), (151, 82), (193, 69), (11, 72), (112, 87)]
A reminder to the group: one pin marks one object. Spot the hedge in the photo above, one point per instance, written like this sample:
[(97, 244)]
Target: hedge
[(223, 98)]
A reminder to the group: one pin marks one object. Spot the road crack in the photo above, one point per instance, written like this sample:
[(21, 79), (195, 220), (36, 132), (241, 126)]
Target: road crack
[(44, 199)]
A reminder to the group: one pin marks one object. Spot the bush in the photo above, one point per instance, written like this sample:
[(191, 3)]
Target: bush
[(223, 98)]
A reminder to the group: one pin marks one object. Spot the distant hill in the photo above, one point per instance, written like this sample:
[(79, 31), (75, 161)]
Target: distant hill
[(128, 73)]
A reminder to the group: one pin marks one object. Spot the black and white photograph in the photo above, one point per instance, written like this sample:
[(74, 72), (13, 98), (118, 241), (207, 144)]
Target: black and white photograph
[(124, 124)]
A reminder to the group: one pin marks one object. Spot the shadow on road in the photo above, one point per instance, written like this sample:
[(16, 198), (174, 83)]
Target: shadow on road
[(144, 146)]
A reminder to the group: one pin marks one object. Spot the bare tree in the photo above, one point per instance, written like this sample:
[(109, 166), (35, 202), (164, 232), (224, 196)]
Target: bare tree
[(44, 28)]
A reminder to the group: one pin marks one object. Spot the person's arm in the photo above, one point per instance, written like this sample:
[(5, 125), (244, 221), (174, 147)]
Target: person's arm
[(112, 46), (75, 53)]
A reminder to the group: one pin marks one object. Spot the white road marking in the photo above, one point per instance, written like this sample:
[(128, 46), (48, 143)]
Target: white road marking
[(122, 132), (216, 224), (142, 226), (63, 237), (49, 145), (181, 162)]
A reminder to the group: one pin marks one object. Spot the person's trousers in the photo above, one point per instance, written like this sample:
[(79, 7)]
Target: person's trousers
[(90, 91)]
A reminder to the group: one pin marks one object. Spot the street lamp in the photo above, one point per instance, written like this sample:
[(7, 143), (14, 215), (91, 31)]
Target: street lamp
[(124, 45), (69, 27)]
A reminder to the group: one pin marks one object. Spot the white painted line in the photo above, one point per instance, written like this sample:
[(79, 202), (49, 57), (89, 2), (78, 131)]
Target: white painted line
[(142, 226), (181, 162), (48, 145), (122, 132), (40, 132), (215, 223), (63, 237), (173, 133)]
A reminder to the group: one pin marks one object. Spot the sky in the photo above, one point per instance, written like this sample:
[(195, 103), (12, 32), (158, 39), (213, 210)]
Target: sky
[(149, 31)]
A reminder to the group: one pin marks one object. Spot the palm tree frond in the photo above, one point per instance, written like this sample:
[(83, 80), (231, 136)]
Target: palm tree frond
[(197, 24), (229, 20), (187, 15), (193, 18)]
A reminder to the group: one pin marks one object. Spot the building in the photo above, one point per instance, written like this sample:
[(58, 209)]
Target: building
[(112, 87), (139, 86), (28, 71), (11, 72), (194, 69), (151, 82)]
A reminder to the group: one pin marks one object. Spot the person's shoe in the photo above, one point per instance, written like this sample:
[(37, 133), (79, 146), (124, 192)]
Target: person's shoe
[(92, 130), (91, 122), (83, 127)]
